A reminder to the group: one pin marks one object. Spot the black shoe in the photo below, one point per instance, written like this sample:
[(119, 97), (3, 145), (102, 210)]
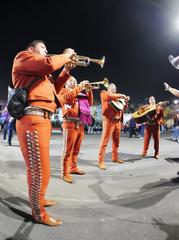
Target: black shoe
[(10, 144)]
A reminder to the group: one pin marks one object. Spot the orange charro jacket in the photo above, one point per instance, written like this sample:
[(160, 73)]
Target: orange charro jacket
[(107, 110), (69, 101), (158, 118), (28, 65)]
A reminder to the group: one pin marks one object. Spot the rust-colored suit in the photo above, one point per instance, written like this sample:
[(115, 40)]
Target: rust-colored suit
[(153, 129), (112, 121), (34, 131), (73, 130)]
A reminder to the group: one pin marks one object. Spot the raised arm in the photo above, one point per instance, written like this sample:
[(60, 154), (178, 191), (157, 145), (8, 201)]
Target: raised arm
[(174, 91)]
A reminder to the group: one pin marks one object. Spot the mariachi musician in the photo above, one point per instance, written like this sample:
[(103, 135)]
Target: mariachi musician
[(112, 110), (76, 101), (153, 127), (34, 128)]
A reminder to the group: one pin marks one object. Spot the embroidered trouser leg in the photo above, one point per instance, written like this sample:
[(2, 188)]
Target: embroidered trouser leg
[(154, 131), (147, 136), (69, 136), (76, 147), (34, 138), (108, 128), (116, 140), (156, 137)]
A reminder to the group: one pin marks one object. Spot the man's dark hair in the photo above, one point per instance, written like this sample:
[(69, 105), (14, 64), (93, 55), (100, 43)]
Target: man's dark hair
[(34, 43)]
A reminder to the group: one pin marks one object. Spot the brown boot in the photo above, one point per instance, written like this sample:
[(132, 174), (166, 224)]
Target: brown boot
[(49, 203), (156, 156), (102, 166), (68, 178), (50, 221), (77, 172), (144, 154), (118, 161)]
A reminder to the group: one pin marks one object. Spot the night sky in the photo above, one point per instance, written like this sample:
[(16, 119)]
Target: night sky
[(136, 36)]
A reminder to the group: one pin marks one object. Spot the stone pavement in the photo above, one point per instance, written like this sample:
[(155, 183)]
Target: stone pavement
[(137, 200)]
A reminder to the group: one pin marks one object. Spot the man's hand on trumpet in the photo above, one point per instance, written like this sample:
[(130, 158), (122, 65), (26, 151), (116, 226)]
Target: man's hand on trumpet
[(83, 84), (70, 65)]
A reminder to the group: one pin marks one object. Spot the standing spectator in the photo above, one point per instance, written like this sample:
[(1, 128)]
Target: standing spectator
[(11, 128), (175, 135), (132, 127), (5, 116), (141, 130)]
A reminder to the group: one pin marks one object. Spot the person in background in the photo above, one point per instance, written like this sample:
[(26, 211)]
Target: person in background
[(6, 117), (11, 129), (132, 127), (175, 135), (175, 92), (141, 130)]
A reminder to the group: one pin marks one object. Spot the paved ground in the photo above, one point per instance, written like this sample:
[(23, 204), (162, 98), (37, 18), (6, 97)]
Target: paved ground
[(137, 200)]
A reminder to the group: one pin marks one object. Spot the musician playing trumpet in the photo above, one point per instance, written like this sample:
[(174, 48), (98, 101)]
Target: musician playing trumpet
[(75, 101), (112, 122), (153, 128)]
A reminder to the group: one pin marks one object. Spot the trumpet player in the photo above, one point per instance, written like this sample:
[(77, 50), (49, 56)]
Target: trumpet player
[(34, 128), (112, 122), (76, 101)]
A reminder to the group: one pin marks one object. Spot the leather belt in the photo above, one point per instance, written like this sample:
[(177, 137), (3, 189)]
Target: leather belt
[(71, 119), (38, 112)]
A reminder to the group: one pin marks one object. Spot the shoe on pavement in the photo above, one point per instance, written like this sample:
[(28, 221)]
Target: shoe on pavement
[(49, 203), (102, 166), (68, 179), (50, 221), (77, 172), (144, 155), (156, 156), (118, 161)]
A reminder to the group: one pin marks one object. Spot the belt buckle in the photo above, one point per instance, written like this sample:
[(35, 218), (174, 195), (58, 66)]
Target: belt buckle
[(46, 114)]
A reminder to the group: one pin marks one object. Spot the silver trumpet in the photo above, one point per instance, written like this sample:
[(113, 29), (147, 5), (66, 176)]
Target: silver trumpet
[(84, 61)]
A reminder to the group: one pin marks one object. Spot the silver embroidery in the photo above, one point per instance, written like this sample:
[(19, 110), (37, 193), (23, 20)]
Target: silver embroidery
[(35, 171)]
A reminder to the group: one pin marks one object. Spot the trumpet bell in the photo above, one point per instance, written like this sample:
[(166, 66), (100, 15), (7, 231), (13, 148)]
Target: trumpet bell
[(95, 85), (99, 61), (106, 82)]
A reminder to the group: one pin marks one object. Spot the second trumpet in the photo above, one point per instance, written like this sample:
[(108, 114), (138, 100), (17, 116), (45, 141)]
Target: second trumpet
[(96, 85)]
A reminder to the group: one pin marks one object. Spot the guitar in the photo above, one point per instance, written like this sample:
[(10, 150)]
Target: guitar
[(147, 112), (119, 105)]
